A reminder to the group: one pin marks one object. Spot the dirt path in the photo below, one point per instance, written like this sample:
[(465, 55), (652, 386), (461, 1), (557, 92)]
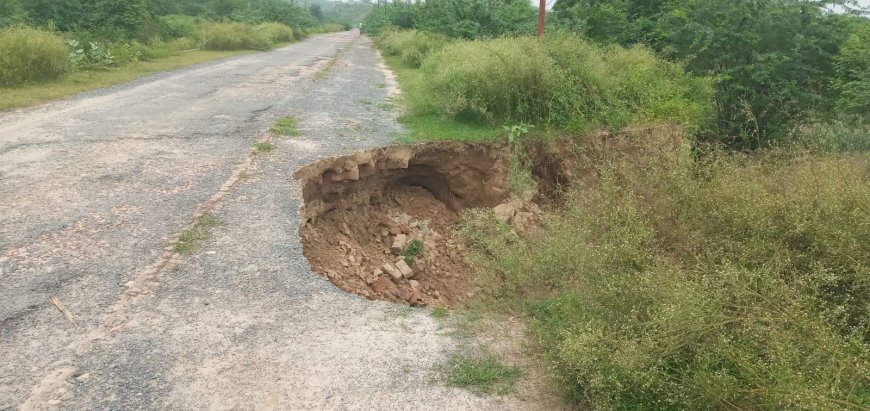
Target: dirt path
[(92, 190)]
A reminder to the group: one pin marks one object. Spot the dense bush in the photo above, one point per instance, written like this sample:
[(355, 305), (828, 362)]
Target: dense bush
[(276, 32), (233, 36), (564, 82), (739, 282), (411, 45), (179, 26), (28, 54), (773, 60), (467, 19)]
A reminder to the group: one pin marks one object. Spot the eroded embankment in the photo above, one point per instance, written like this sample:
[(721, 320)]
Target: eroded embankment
[(379, 222)]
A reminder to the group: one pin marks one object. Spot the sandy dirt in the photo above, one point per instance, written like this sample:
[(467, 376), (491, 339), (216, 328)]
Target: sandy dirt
[(94, 189)]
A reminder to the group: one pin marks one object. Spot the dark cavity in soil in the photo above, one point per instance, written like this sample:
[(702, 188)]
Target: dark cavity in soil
[(379, 222)]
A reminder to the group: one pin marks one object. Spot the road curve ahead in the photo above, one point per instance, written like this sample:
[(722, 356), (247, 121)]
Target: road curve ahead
[(93, 188)]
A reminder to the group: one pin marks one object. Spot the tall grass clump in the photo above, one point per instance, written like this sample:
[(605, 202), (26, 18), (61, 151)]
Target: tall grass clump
[(411, 46), (233, 36), (276, 32), (737, 282), (564, 82), (28, 54)]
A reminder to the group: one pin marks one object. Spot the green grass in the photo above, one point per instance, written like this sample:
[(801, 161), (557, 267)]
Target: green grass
[(439, 313), (286, 127), (324, 71), (428, 126), (190, 239), (263, 147), (481, 373), (738, 281), (412, 250), (78, 82)]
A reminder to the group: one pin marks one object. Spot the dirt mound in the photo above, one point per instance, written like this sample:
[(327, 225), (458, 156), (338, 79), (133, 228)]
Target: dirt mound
[(378, 223)]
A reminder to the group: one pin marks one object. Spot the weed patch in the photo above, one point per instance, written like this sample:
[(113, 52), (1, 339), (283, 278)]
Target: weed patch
[(414, 248), (263, 147), (286, 127), (28, 54), (737, 279), (325, 70), (190, 239), (482, 373)]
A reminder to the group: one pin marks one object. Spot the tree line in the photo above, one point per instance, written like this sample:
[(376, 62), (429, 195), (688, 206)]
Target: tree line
[(779, 66)]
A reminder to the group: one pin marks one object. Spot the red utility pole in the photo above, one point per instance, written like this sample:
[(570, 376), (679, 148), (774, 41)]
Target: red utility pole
[(542, 10)]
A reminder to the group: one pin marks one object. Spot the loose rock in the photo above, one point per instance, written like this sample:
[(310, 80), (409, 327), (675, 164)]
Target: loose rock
[(399, 244), (393, 271), (404, 269)]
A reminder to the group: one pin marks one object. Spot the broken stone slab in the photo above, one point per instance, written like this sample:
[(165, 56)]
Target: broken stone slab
[(399, 242), (404, 269), (415, 285), (393, 271)]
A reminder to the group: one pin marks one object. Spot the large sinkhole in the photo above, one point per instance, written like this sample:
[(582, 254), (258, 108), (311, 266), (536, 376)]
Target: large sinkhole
[(379, 222)]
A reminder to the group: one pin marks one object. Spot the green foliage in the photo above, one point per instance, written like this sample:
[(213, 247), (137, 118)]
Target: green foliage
[(233, 36), (853, 76), (276, 32), (189, 240), (263, 147), (412, 250), (286, 126), (467, 19), (89, 56), (563, 83), (11, 13), (740, 281), (772, 59), (28, 54), (481, 373), (411, 46), (471, 19), (179, 26)]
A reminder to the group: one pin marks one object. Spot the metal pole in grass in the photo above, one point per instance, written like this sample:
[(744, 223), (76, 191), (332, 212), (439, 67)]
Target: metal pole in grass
[(542, 10)]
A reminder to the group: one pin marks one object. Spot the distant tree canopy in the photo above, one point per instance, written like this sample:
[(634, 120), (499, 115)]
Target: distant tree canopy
[(457, 18), (779, 63), (139, 18)]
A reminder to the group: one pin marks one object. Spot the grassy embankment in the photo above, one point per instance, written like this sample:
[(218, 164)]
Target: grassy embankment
[(40, 65), (667, 277)]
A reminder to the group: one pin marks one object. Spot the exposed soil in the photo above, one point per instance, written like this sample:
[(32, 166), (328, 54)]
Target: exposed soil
[(363, 211)]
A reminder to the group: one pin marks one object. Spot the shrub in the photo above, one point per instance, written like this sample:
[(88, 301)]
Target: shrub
[(276, 32), (92, 55), (28, 54), (178, 26), (739, 282), (564, 83), (411, 45), (495, 81), (299, 33), (233, 36)]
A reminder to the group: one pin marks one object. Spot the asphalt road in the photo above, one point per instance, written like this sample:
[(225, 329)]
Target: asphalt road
[(93, 188)]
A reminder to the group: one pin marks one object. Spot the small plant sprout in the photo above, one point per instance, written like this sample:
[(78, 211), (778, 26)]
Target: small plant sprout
[(516, 131), (412, 250)]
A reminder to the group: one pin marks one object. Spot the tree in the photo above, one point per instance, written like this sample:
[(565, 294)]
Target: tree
[(853, 74), (772, 58), (316, 12)]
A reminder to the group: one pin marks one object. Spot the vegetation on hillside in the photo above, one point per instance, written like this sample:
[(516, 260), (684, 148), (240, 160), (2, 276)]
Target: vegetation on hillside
[(737, 282), (42, 39), (731, 273)]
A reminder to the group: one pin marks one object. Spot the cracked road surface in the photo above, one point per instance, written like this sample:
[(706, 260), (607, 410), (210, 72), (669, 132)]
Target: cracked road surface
[(94, 188)]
